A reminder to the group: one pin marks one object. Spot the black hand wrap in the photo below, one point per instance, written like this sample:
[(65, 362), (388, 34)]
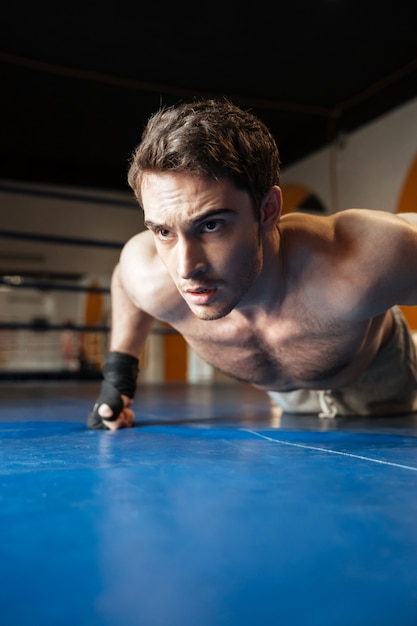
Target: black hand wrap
[(120, 374)]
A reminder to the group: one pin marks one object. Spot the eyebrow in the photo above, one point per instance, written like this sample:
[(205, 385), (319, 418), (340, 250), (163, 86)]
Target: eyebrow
[(198, 219)]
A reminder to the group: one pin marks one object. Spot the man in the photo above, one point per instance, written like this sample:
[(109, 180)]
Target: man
[(301, 306)]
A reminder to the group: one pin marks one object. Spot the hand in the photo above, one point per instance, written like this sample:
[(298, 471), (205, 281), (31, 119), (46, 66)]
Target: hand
[(125, 419)]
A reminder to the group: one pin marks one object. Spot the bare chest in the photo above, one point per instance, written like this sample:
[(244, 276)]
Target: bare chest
[(285, 355)]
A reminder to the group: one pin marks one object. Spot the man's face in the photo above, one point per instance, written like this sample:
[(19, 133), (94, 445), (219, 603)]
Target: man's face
[(207, 236)]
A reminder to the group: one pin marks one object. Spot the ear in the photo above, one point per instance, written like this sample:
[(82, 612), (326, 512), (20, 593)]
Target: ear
[(271, 208)]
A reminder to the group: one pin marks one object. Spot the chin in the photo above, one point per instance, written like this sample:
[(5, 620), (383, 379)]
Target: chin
[(211, 314)]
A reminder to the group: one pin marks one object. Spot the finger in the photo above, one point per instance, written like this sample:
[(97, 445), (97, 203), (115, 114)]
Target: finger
[(125, 420), (128, 417), (126, 400)]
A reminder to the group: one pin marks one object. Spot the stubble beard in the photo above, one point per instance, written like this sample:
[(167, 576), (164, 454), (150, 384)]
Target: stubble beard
[(245, 279)]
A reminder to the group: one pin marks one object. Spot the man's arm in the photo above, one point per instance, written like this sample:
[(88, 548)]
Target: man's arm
[(130, 329), (130, 325)]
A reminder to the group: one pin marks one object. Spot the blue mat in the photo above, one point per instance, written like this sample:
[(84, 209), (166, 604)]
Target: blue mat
[(210, 524)]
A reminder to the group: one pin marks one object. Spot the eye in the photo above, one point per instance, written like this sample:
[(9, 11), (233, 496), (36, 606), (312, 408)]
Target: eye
[(163, 233), (211, 226)]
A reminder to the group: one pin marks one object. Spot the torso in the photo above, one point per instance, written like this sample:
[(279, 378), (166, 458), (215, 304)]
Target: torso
[(303, 343), (281, 355)]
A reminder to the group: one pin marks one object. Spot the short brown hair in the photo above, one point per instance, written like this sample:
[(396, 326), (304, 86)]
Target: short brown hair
[(210, 137)]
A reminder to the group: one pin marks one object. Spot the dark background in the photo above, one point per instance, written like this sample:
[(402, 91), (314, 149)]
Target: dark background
[(79, 80)]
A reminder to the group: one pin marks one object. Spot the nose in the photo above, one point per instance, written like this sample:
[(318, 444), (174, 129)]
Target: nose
[(191, 259)]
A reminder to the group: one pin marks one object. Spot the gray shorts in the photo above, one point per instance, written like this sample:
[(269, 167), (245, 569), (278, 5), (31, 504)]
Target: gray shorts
[(388, 387)]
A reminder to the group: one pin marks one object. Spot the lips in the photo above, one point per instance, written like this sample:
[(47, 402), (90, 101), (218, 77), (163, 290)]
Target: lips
[(200, 295), (199, 290)]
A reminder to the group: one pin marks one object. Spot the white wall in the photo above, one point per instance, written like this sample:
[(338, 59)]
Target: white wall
[(88, 214), (70, 213), (370, 164)]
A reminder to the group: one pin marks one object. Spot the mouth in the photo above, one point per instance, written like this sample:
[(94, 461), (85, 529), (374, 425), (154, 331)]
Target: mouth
[(200, 295)]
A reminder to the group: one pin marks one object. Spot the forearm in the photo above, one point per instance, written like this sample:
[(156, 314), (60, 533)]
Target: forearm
[(130, 325), (130, 329)]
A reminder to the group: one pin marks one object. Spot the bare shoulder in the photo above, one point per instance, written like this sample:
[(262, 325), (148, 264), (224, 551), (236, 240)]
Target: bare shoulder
[(350, 263), (347, 223), (145, 278), (354, 221), (138, 251), (378, 238), (352, 233)]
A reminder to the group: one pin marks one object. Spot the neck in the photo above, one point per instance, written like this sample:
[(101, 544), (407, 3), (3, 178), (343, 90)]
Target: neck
[(268, 291)]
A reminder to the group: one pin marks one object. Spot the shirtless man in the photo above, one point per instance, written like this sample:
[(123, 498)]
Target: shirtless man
[(301, 306)]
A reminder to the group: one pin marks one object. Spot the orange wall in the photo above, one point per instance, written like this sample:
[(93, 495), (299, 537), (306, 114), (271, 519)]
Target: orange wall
[(175, 358)]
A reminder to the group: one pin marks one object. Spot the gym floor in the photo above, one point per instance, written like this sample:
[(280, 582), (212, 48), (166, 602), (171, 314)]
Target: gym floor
[(215, 510)]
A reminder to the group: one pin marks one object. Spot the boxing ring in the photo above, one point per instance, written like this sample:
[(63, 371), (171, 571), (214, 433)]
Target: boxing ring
[(213, 510)]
